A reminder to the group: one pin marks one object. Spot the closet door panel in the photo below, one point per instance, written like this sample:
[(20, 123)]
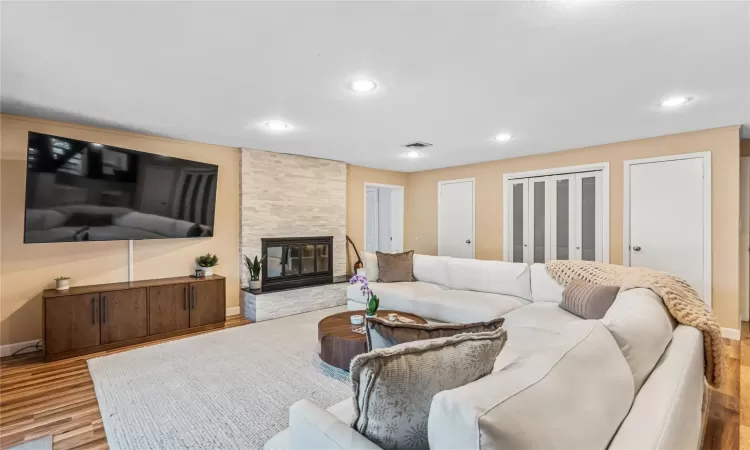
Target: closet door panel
[(588, 216), (539, 235), (562, 217), (518, 223)]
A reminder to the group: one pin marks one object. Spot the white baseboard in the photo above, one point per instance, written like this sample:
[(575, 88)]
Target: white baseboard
[(730, 333), (9, 349), (233, 311)]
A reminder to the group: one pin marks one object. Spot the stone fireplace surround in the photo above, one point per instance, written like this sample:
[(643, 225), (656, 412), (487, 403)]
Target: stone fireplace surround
[(290, 196)]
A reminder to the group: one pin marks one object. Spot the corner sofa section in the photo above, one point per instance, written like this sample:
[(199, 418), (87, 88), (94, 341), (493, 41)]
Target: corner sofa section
[(633, 379)]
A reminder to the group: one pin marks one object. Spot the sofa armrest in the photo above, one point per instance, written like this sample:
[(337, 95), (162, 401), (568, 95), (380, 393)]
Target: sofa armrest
[(312, 427)]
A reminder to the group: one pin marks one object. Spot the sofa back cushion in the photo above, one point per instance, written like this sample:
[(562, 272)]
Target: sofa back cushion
[(431, 269), (496, 277), (573, 393), (642, 327), (543, 287), (370, 263)]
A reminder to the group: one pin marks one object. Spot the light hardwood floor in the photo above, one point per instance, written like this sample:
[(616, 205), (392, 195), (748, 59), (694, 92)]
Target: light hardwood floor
[(57, 398)]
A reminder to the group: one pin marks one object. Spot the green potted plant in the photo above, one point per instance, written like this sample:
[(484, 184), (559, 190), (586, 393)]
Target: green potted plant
[(207, 263), (62, 283), (254, 267)]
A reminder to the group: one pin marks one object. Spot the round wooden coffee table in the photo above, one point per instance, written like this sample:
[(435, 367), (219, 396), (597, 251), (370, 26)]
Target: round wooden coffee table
[(339, 344)]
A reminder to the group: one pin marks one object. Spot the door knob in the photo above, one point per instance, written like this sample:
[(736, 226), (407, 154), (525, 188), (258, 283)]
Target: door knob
[(637, 248), (468, 241)]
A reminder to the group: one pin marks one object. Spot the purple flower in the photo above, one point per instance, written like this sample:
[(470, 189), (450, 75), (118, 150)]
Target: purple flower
[(365, 288)]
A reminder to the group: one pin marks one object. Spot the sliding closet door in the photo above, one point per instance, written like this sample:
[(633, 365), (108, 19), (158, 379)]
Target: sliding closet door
[(518, 221), (588, 216), (539, 231), (562, 217)]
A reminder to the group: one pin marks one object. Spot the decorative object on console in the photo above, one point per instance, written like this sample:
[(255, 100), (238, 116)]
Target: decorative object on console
[(372, 300), (681, 300), (358, 264), (207, 263), (386, 333), (379, 377), (357, 319), (586, 300), (62, 283), (254, 268), (395, 267)]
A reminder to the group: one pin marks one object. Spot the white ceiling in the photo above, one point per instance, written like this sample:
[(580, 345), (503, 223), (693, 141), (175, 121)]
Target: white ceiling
[(557, 75)]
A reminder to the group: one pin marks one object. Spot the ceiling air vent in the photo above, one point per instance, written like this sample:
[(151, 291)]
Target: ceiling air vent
[(417, 145)]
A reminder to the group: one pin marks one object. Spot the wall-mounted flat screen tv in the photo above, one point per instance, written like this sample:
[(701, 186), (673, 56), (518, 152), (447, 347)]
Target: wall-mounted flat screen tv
[(86, 191)]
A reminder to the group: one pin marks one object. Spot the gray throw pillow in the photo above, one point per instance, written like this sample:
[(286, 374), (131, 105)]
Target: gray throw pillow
[(587, 300), (395, 267), (382, 333), (393, 387)]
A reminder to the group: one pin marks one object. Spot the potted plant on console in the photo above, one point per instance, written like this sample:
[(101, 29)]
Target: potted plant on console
[(373, 302), (207, 263), (62, 283), (254, 266)]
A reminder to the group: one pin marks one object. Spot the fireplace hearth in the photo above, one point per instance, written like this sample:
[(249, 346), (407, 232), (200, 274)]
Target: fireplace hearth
[(296, 262)]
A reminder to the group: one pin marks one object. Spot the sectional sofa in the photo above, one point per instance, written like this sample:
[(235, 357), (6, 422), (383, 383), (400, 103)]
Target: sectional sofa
[(632, 380)]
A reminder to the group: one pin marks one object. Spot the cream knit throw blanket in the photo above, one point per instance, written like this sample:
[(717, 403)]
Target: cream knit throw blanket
[(680, 299)]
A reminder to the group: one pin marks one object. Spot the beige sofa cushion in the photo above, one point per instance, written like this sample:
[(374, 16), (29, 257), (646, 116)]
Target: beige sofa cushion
[(543, 287), (464, 306), (545, 315), (431, 269), (393, 387), (642, 327), (398, 296), (382, 333), (496, 277), (572, 394)]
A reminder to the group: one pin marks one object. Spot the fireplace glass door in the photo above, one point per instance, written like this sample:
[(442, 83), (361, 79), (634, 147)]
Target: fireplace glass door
[(300, 261)]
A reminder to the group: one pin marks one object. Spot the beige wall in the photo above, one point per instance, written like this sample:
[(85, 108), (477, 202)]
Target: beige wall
[(356, 177), (421, 201), (27, 269)]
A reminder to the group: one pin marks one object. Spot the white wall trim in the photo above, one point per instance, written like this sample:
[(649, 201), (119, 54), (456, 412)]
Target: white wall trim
[(394, 217), (730, 333), (602, 166), (9, 349), (707, 253), (233, 311), (473, 211)]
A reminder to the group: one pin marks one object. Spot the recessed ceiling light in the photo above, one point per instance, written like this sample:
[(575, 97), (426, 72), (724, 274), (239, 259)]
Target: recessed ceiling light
[(503, 137), (413, 154), (363, 85), (676, 101), (275, 125)]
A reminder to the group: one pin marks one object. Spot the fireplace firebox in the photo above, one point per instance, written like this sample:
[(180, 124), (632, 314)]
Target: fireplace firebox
[(296, 262)]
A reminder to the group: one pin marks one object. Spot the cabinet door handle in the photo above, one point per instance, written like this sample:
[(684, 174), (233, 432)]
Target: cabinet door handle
[(185, 296), (93, 310), (194, 301), (104, 309)]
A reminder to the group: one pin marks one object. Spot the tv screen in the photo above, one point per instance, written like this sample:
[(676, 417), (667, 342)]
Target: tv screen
[(85, 191)]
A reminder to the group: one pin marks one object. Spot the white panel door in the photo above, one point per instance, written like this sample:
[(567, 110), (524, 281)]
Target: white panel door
[(666, 218), (456, 218), (562, 216), (518, 219), (588, 216), (538, 249), (397, 220), (371, 215)]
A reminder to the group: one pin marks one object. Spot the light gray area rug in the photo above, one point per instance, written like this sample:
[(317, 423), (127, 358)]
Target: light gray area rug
[(229, 389)]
